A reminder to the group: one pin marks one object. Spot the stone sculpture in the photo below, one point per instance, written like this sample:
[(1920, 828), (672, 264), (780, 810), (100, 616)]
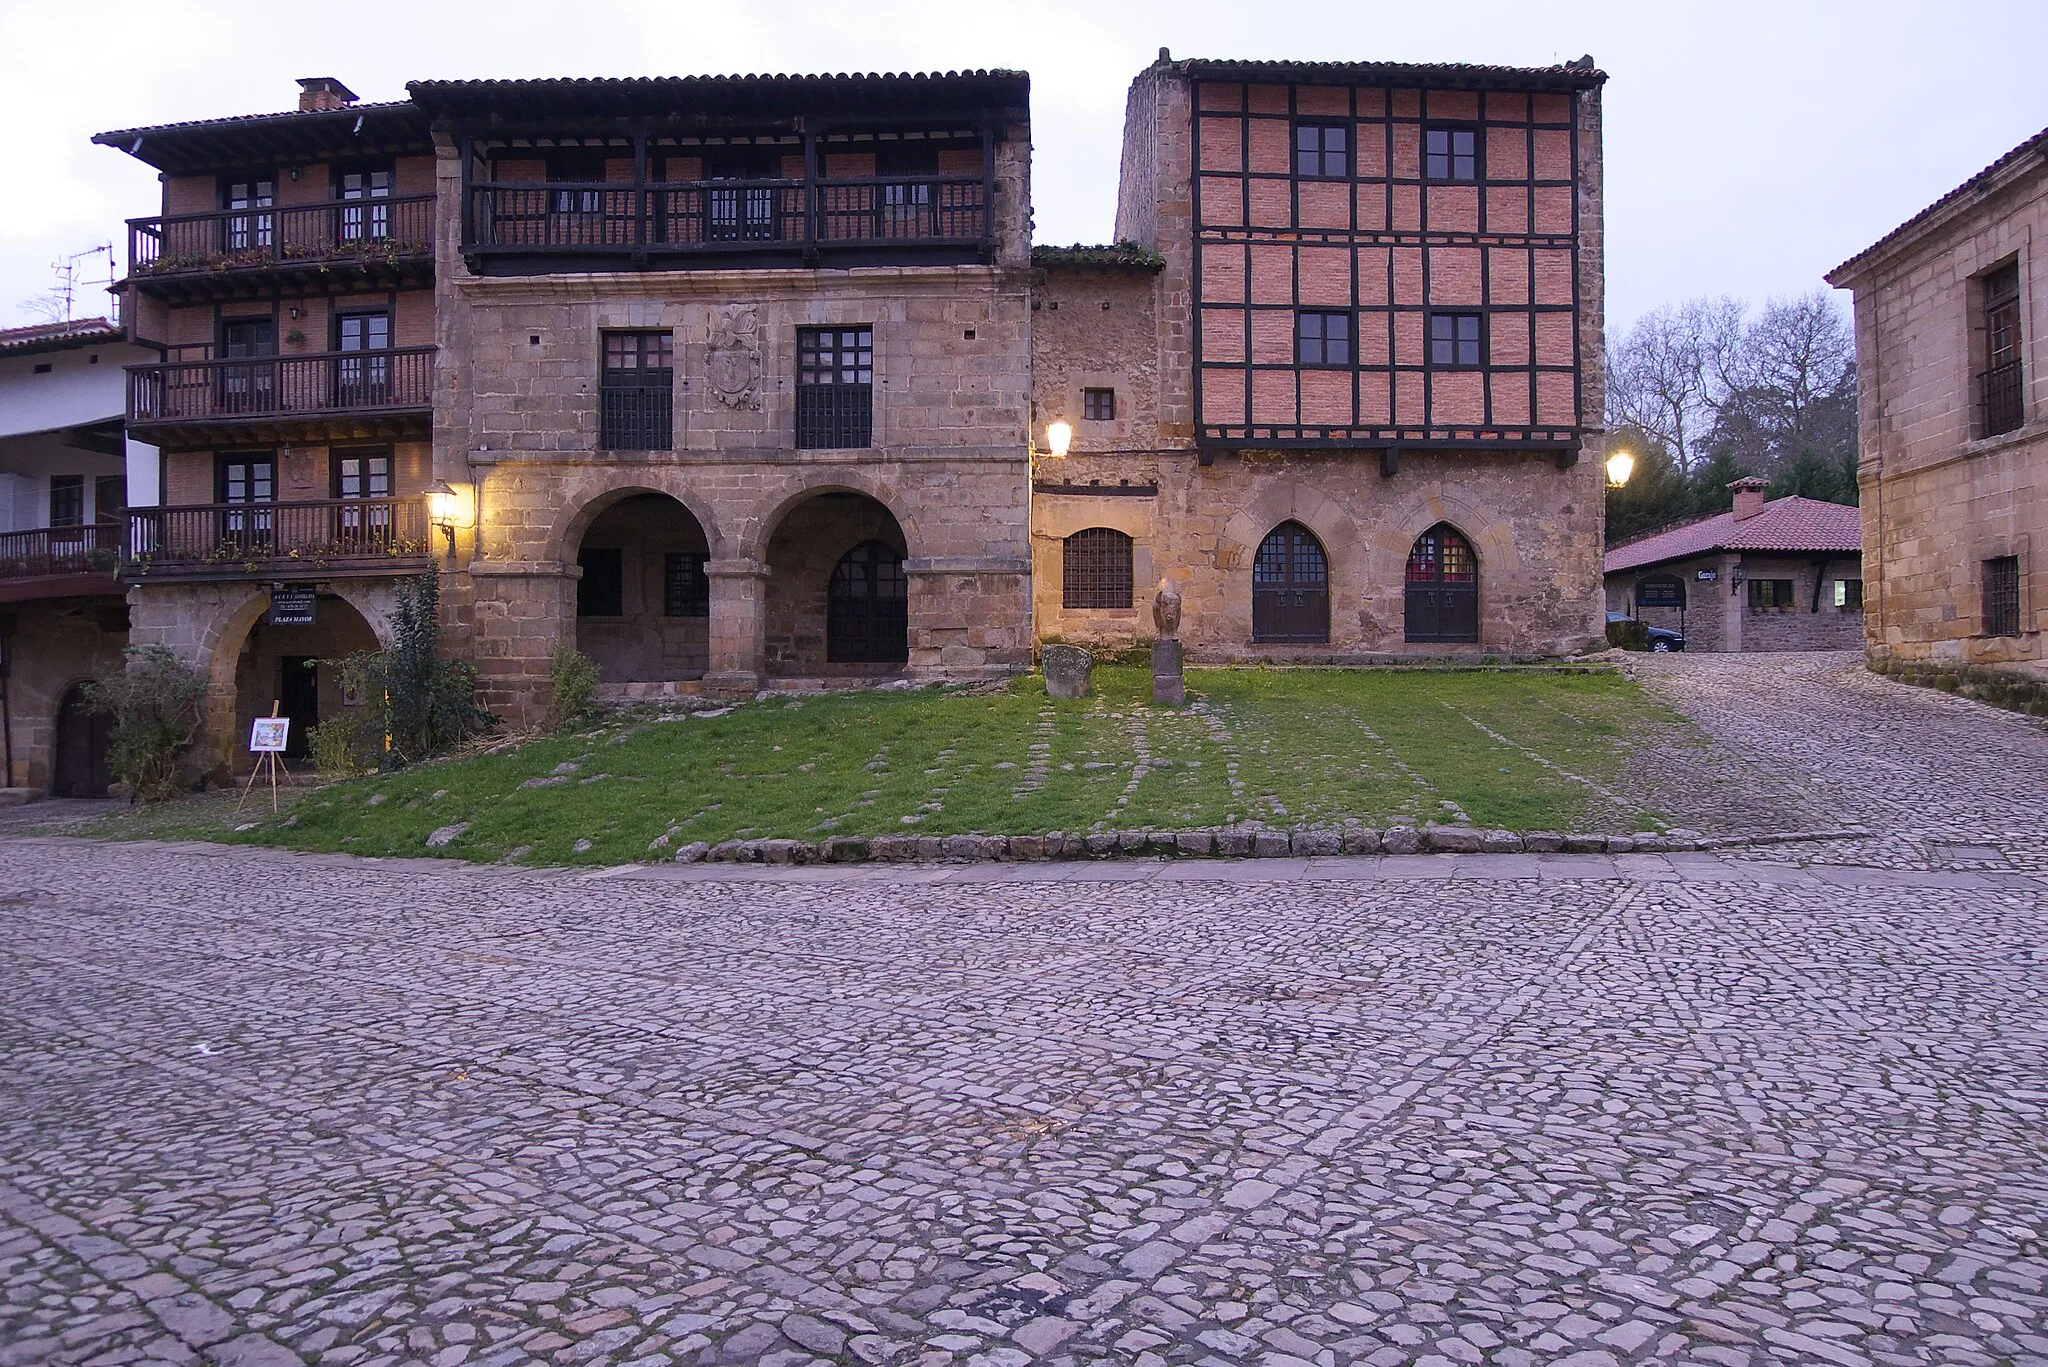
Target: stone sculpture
[(733, 360), (1169, 685)]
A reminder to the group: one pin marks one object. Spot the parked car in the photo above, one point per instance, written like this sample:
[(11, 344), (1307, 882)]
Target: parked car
[(1663, 640)]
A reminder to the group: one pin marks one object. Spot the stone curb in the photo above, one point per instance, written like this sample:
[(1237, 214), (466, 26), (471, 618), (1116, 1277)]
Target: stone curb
[(1223, 842)]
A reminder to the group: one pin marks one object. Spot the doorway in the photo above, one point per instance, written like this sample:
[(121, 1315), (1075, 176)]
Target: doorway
[(298, 697), (84, 737)]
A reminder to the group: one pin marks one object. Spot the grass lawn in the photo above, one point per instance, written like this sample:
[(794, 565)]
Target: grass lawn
[(1527, 750)]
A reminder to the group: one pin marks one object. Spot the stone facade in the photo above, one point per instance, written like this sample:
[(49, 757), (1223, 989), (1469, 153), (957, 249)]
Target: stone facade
[(1523, 489), (1717, 614), (1946, 501), (58, 644)]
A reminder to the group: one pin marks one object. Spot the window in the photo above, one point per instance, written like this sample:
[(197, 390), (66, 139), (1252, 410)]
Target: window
[(2002, 596), (246, 478), (601, 591), (1770, 595), (835, 383), (67, 500), (1849, 595), (685, 591), (362, 473), (364, 218), (109, 497), (745, 213), (362, 380), (1451, 154), (2000, 397), (252, 386), (1098, 405), (907, 159), (583, 170), (1322, 338), (1454, 340), (636, 403), (246, 230), (1095, 569), (1322, 150)]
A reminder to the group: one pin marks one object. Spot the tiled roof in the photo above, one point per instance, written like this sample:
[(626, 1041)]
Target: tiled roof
[(1785, 524), (1982, 180), (1579, 75), (59, 336), (1128, 256), (392, 127), (762, 94)]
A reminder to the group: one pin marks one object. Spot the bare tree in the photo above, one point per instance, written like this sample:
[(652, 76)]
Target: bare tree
[(1797, 353), (1668, 372)]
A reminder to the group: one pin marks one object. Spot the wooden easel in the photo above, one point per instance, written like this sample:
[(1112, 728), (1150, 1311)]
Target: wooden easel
[(267, 758)]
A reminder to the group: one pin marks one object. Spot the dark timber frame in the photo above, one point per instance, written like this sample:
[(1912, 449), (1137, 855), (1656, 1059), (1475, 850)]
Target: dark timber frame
[(1212, 239)]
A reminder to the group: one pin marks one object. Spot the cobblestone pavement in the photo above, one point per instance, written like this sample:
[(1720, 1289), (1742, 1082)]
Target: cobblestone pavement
[(260, 1108)]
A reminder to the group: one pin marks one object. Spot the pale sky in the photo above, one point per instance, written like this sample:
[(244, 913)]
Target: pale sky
[(1751, 144)]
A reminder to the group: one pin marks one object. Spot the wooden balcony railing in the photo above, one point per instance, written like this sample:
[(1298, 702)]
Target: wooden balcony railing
[(94, 548), (270, 387), (372, 231), (719, 216), (276, 538)]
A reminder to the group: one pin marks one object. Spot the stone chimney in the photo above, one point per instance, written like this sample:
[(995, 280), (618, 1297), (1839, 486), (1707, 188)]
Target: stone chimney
[(1749, 496), (323, 92)]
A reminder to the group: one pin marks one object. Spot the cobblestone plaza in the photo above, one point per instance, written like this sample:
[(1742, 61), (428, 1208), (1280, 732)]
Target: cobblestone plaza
[(264, 1108)]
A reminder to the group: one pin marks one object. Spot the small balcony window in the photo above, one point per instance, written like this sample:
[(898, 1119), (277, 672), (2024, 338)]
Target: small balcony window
[(1322, 338), (2000, 395), (1451, 154), (835, 387), (637, 399), (2002, 596), (1098, 405)]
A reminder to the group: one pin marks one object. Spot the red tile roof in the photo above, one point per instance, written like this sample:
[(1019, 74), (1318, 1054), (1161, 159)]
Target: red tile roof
[(1842, 275), (1785, 524), (58, 336)]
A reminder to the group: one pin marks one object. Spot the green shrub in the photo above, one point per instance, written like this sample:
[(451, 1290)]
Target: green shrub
[(572, 678), (423, 703), (1628, 635), (158, 704), (348, 744)]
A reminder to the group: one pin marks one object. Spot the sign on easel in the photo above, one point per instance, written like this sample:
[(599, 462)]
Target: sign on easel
[(267, 738)]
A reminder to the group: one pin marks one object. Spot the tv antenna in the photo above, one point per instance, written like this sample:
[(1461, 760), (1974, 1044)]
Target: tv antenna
[(61, 302)]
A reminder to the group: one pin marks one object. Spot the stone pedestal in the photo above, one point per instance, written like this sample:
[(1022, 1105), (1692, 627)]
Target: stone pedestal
[(1067, 671), (1168, 685)]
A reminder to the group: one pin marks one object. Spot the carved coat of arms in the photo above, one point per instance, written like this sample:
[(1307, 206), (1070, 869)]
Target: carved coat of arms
[(733, 361)]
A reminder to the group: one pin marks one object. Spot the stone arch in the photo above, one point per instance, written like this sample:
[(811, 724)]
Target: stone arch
[(834, 566), (583, 503), (1284, 499), (751, 534)]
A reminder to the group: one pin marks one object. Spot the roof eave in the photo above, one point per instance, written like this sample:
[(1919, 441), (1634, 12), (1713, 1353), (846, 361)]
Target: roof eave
[(2015, 166)]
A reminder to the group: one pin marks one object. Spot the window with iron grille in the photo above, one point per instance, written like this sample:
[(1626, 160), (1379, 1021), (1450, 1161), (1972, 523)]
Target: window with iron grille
[(1322, 150), (1455, 340), (67, 500), (1095, 569), (1098, 405), (1770, 595), (835, 388), (1322, 338), (601, 592), (2002, 596), (1451, 154), (636, 409), (2001, 397), (685, 591)]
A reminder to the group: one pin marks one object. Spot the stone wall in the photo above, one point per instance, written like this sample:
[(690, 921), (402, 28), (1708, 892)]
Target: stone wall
[(57, 643), (1717, 616), (1939, 498)]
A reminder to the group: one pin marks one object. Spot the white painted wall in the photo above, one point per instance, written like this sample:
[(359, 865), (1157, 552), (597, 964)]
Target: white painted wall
[(82, 385)]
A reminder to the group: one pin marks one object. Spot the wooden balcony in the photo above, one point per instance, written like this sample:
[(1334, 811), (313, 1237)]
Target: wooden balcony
[(60, 562), (375, 243), (329, 538), (326, 395), (748, 223)]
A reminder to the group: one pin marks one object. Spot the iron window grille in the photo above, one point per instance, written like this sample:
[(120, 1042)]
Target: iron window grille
[(637, 398), (1770, 595), (1095, 569), (1322, 151), (1456, 341), (67, 500), (835, 388), (601, 592), (2001, 395), (1451, 154), (2002, 596), (1322, 338), (1098, 405), (685, 590)]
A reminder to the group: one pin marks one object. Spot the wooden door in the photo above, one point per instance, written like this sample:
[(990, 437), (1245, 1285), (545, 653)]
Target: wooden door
[(1443, 587), (81, 768), (1291, 587)]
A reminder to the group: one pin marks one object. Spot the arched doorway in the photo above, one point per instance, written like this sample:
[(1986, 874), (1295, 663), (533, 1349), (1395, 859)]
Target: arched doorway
[(1443, 587), (643, 605), (838, 600), (1291, 587), (83, 735), (295, 669)]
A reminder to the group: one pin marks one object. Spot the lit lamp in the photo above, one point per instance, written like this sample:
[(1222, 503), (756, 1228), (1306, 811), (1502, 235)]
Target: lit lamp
[(450, 506), (1620, 466), (1059, 436)]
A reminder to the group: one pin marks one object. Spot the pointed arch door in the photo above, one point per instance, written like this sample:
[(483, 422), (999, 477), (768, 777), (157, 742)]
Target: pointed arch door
[(867, 607), (1291, 587), (1443, 587)]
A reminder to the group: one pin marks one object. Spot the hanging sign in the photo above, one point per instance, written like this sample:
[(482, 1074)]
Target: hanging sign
[(1708, 576), (291, 605)]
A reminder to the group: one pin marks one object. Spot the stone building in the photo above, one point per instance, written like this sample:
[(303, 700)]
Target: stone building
[(66, 476), (1953, 378), (1786, 574), (1342, 377)]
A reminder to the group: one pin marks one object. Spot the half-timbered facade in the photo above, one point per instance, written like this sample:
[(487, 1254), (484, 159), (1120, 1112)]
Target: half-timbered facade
[(1371, 422)]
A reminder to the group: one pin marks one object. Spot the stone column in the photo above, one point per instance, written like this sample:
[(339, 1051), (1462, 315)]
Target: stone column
[(739, 625), (520, 611)]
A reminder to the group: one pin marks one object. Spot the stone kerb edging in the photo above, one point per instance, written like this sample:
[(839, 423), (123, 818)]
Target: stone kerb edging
[(1226, 842)]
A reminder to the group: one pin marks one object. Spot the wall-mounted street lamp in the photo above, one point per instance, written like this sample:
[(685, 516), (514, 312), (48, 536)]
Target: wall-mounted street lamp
[(1620, 466), (450, 506), (1059, 435)]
